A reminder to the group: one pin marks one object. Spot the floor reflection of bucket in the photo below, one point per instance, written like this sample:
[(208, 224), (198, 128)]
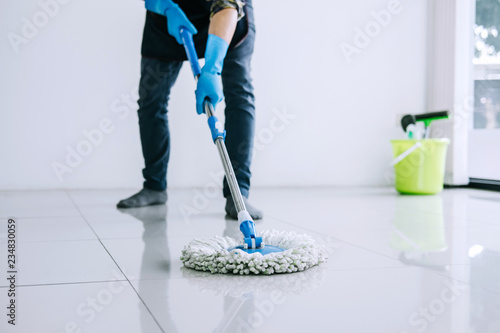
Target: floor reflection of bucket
[(418, 224)]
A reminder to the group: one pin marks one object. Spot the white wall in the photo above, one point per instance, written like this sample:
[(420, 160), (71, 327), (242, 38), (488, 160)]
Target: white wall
[(73, 72)]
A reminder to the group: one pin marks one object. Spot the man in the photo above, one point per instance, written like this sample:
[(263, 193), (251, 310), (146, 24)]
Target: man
[(224, 33)]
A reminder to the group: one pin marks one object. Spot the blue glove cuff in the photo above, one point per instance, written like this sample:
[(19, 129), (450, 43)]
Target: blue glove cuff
[(159, 6), (215, 54)]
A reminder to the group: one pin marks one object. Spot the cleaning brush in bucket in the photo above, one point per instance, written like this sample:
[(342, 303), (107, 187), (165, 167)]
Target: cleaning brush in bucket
[(273, 251), (409, 121)]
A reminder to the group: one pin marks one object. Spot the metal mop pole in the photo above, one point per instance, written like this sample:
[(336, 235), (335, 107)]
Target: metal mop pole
[(226, 162), (247, 226)]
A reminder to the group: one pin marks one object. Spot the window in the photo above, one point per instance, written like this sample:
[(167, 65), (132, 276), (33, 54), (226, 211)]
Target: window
[(487, 65)]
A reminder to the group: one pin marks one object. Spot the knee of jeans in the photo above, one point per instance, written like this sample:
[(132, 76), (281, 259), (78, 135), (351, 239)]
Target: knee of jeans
[(151, 109), (152, 104), (239, 87), (240, 100)]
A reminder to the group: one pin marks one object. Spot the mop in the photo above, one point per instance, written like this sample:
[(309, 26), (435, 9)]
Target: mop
[(271, 252)]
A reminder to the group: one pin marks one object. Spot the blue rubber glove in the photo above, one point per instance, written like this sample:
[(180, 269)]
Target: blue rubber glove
[(176, 19), (209, 83)]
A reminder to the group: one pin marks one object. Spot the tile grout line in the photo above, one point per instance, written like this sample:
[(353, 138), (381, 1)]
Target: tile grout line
[(39, 217), (100, 241), (64, 283)]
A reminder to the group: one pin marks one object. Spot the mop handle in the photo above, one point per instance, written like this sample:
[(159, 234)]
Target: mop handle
[(217, 134), (187, 40)]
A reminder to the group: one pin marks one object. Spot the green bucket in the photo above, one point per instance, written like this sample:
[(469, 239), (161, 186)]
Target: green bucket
[(419, 165)]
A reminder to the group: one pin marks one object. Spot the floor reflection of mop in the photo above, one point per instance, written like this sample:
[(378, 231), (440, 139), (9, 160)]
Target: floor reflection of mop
[(238, 307), (241, 292), (156, 253)]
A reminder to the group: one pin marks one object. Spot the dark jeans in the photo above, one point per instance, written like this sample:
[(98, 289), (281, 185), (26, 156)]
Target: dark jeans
[(157, 79)]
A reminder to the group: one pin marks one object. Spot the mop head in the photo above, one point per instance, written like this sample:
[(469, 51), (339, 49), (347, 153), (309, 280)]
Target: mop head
[(301, 252)]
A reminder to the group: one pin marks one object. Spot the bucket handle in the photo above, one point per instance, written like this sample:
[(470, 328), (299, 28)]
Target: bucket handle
[(406, 153)]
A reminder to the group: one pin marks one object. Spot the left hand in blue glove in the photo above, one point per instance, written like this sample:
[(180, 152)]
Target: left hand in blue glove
[(176, 19), (209, 83)]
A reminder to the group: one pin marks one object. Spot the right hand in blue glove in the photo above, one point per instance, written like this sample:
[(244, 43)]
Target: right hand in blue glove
[(209, 83), (176, 19), (209, 86)]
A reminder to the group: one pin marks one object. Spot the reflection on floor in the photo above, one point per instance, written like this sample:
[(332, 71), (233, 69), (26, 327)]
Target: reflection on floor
[(397, 263)]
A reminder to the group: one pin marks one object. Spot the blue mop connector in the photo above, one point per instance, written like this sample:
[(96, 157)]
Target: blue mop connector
[(247, 227), (216, 128), (252, 243)]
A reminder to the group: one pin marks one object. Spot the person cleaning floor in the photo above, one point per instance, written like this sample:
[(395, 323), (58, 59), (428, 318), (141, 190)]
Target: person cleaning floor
[(224, 32)]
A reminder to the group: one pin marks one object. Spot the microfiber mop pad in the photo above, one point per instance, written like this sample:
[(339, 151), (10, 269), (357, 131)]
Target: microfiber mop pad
[(300, 253)]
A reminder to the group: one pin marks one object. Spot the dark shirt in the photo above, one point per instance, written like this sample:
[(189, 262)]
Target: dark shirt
[(158, 44)]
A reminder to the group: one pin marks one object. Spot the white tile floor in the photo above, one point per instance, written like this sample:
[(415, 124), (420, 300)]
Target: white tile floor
[(399, 264)]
